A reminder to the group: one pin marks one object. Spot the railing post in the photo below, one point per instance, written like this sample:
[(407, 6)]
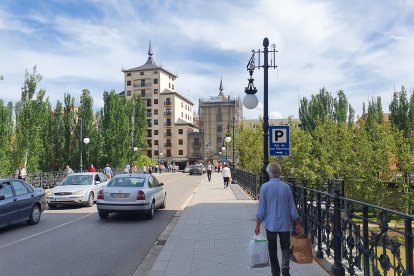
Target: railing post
[(366, 240), (337, 267), (409, 246), (319, 253), (305, 208)]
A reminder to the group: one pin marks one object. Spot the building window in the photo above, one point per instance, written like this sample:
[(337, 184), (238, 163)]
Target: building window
[(128, 74), (155, 91), (173, 87), (219, 128), (219, 117), (186, 116), (180, 141), (169, 85), (155, 81), (156, 122), (128, 93), (142, 82), (156, 142), (182, 104), (141, 73), (155, 101), (142, 93), (155, 152), (155, 111), (155, 132), (180, 131), (155, 72), (219, 141), (180, 152), (182, 115), (128, 82)]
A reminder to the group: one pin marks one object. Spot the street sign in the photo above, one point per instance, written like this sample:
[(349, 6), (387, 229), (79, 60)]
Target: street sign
[(279, 140)]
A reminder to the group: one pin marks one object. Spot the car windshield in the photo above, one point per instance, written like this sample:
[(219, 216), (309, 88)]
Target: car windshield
[(77, 180), (127, 182)]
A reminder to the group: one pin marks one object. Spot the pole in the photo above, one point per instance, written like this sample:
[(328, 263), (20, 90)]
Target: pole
[(265, 176), (80, 144), (233, 181)]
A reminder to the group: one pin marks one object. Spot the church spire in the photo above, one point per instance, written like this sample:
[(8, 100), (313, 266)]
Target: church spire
[(221, 88)]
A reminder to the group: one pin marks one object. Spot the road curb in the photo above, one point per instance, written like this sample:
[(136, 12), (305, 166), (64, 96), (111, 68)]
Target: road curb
[(149, 260)]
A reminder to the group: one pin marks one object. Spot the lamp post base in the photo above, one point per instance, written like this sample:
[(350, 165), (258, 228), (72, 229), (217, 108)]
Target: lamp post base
[(233, 181)]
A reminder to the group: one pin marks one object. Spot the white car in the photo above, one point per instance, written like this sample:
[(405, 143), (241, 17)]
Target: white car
[(76, 188), (132, 193)]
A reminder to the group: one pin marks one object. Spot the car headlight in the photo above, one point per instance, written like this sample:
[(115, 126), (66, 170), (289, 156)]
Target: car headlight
[(78, 192), (49, 193)]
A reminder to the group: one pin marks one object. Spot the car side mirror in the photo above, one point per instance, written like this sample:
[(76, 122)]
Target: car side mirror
[(2, 197), (161, 184), (97, 182)]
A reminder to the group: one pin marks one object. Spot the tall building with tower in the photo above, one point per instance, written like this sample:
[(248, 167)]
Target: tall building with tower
[(169, 114), (215, 120)]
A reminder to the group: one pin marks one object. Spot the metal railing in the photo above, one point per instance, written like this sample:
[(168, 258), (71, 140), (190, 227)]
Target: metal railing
[(361, 237), (248, 181)]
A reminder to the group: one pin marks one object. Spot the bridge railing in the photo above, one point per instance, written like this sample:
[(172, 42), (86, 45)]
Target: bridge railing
[(361, 237), (248, 181)]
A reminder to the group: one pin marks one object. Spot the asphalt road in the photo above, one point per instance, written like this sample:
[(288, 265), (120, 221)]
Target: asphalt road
[(74, 241)]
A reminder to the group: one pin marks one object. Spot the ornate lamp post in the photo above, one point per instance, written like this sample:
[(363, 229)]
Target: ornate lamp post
[(86, 141), (233, 180), (250, 101), (227, 140), (223, 148)]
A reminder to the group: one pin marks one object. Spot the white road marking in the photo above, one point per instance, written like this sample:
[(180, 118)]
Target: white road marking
[(189, 198), (45, 231)]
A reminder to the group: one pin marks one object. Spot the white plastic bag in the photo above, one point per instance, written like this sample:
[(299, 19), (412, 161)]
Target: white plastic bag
[(257, 252)]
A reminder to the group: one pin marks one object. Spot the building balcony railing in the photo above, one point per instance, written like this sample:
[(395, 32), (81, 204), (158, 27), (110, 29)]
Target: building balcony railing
[(168, 134), (196, 144), (195, 155), (168, 145), (149, 105), (168, 124), (168, 103), (149, 135), (142, 85), (168, 113), (149, 114), (149, 125), (145, 95)]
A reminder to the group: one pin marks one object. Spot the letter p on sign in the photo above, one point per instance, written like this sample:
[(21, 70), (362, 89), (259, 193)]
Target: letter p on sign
[(279, 136)]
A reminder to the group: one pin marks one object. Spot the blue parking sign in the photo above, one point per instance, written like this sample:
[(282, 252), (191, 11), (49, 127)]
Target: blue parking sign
[(279, 140)]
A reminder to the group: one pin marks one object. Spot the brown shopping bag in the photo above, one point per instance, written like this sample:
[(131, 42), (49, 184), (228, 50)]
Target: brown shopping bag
[(301, 249)]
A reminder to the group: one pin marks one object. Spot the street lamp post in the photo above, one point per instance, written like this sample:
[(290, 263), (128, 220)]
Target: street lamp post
[(233, 181), (250, 100), (223, 148), (86, 141)]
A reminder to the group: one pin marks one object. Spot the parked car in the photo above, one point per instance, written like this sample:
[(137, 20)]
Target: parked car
[(19, 202), (196, 169), (186, 169), (132, 193), (76, 188)]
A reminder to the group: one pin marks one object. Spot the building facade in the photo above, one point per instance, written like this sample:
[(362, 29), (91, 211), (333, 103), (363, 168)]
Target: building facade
[(215, 121), (169, 114)]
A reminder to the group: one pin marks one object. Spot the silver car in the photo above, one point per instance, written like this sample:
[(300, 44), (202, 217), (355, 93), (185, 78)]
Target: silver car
[(132, 193), (76, 188)]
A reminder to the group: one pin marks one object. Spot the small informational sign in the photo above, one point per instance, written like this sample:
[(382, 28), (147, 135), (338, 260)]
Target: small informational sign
[(279, 140)]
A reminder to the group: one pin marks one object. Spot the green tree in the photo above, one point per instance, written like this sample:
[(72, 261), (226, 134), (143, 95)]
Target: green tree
[(86, 114), (6, 138), (71, 142), (399, 110), (249, 149)]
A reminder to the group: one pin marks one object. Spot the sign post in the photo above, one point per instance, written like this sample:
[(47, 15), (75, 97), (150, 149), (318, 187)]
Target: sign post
[(279, 142)]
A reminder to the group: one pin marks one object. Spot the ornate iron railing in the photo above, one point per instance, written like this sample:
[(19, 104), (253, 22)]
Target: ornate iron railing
[(248, 181), (361, 238)]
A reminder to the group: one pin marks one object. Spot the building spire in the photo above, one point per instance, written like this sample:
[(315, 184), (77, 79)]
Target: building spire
[(221, 88), (150, 50)]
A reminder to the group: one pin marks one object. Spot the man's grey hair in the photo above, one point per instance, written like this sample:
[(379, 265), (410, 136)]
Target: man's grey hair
[(273, 170)]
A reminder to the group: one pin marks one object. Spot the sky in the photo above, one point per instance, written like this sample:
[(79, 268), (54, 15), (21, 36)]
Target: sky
[(364, 48)]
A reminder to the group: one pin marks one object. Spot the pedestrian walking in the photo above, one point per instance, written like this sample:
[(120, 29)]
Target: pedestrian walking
[(126, 168), (91, 168), (107, 171), (226, 175), (210, 168), (68, 170), (21, 172), (133, 168), (278, 210)]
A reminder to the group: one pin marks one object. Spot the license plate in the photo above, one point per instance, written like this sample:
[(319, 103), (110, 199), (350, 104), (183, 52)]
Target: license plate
[(62, 199), (120, 195)]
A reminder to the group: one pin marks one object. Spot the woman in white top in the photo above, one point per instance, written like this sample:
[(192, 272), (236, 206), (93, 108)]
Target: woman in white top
[(226, 175)]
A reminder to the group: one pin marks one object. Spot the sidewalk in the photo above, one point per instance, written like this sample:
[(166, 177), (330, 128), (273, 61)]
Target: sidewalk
[(211, 236)]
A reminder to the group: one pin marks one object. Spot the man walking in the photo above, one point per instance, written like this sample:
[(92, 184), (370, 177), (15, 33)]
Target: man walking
[(210, 168), (277, 209), (107, 171)]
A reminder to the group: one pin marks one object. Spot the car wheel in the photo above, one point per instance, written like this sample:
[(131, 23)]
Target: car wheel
[(103, 214), (51, 206), (164, 203), (151, 212), (34, 215), (90, 200)]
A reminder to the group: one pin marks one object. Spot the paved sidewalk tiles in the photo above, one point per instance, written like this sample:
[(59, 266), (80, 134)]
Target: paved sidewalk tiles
[(211, 236)]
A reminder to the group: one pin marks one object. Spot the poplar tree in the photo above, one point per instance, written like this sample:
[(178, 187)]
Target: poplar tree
[(6, 138)]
